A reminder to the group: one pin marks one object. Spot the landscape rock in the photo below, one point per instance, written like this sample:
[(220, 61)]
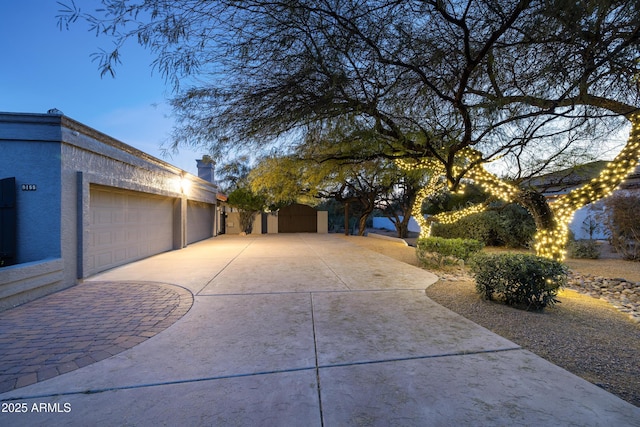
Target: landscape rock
[(621, 293)]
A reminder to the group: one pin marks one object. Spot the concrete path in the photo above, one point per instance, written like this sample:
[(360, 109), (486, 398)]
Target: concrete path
[(307, 330)]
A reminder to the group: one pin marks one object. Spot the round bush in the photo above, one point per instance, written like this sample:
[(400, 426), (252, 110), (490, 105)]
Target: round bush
[(525, 281)]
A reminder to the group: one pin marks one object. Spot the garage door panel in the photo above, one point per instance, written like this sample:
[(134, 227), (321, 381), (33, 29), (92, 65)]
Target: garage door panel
[(199, 221), (104, 258), (126, 226), (132, 253), (297, 218), (102, 239)]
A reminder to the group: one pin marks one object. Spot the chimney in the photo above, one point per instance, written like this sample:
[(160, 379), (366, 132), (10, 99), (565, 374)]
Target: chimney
[(206, 167)]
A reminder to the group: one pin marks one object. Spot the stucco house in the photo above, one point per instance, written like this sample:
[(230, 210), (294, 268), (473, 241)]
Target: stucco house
[(76, 202)]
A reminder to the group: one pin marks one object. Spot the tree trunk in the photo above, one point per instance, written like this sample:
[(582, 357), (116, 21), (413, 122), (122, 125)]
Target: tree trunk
[(402, 227), (346, 218), (362, 224), (362, 221), (246, 221), (552, 235), (539, 208)]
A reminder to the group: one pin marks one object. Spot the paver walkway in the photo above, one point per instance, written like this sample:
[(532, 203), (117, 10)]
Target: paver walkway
[(311, 330), (82, 325)]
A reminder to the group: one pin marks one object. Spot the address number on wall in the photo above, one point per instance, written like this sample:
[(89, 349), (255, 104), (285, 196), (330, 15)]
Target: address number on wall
[(29, 187)]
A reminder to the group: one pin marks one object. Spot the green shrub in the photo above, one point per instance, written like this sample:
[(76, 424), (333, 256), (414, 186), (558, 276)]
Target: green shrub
[(511, 226), (516, 227), (481, 227), (445, 249), (525, 281), (587, 249)]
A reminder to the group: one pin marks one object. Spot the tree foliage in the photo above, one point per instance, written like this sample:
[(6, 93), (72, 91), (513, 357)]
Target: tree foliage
[(429, 78), (248, 204), (364, 185), (623, 224), (537, 83)]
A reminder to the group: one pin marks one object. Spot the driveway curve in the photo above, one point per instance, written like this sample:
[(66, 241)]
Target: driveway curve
[(82, 325)]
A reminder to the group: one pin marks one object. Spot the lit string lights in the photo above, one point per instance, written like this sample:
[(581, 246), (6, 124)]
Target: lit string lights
[(549, 243), (434, 184), (455, 216)]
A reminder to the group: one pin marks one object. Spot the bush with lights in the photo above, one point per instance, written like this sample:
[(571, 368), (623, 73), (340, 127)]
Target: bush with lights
[(523, 281)]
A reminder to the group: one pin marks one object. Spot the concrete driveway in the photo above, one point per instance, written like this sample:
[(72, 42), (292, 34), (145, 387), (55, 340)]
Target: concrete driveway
[(310, 330)]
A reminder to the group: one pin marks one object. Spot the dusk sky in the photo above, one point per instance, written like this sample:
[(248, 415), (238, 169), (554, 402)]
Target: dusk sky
[(43, 67)]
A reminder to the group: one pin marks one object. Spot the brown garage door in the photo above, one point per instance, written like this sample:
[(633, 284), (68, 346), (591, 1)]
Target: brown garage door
[(297, 218)]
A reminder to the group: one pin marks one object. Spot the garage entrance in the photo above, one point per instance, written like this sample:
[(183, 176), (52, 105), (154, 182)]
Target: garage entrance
[(126, 226), (199, 221), (297, 218)]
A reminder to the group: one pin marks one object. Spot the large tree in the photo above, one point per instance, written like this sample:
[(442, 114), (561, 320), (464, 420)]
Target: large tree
[(447, 85), (362, 185)]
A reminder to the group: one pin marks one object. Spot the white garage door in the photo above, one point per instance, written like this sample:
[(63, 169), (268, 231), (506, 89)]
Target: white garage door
[(199, 221), (126, 226)]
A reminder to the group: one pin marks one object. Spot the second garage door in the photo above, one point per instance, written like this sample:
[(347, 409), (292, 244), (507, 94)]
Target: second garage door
[(199, 221), (126, 226)]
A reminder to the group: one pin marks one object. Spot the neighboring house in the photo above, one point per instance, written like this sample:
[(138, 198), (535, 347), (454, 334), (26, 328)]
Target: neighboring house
[(587, 221), (77, 202)]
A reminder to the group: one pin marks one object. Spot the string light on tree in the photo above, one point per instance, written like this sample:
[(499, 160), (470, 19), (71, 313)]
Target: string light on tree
[(550, 242), (434, 184)]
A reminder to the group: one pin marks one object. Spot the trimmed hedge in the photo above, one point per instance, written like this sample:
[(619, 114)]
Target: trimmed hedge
[(524, 281), (441, 249)]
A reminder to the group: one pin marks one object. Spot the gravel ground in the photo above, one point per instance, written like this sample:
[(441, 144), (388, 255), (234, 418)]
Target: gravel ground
[(584, 335)]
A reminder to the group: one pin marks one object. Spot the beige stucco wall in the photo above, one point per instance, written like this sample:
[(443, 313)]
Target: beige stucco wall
[(323, 222), (272, 223)]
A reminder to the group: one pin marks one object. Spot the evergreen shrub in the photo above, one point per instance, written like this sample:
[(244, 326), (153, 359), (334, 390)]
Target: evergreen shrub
[(520, 280), (443, 250), (511, 226), (587, 249)]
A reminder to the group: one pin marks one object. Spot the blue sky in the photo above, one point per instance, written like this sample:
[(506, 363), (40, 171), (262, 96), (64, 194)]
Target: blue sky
[(42, 67)]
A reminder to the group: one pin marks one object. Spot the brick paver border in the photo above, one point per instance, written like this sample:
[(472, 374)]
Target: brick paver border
[(81, 325)]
